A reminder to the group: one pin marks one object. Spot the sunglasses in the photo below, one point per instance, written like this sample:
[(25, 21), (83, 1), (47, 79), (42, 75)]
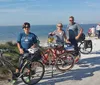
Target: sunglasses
[(25, 27), (70, 20), (59, 26)]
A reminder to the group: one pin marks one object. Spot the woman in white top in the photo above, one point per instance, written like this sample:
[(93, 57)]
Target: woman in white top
[(60, 34)]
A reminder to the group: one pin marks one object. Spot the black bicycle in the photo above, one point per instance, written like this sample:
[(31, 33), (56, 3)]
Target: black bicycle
[(85, 46), (31, 71)]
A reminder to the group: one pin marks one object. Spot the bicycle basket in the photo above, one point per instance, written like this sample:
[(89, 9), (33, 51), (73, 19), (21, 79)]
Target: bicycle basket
[(87, 43), (50, 39)]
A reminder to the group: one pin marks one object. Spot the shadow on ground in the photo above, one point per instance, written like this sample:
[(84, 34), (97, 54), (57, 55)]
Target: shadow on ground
[(95, 52)]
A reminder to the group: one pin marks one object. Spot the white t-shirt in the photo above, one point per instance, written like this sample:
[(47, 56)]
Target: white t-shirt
[(98, 27), (92, 30)]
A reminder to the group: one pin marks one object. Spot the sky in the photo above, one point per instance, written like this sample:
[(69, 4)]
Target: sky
[(48, 12)]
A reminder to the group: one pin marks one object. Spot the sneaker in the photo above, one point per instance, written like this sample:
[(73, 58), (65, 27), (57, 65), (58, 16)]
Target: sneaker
[(13, 82), (27, 79)]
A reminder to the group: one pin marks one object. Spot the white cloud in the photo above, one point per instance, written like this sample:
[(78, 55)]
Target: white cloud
[(92, 4), (6, 0), (8, 10)]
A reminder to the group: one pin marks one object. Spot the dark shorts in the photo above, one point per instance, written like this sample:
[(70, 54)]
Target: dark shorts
[(75, 43)]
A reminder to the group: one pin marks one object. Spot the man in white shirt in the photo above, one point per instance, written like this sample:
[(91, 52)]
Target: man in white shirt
[(98, 30)]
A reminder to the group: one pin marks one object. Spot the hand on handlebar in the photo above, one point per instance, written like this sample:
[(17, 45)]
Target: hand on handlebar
[(21, 51), (51, 34), (67, 41)]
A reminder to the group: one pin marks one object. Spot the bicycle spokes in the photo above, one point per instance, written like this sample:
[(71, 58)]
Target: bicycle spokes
[(33, 73)]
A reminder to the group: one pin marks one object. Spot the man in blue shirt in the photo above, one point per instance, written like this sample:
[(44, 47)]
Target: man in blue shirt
[(26, 39), (74, 32)]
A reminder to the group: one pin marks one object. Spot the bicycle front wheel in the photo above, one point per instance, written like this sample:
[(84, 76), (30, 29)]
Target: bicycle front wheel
[(33, 72), (65, 62)]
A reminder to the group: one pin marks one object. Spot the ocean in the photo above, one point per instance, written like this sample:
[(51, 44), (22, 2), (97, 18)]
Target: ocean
[(10, 33)]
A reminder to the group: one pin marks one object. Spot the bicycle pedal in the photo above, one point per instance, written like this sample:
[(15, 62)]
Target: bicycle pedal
[(13, 82)]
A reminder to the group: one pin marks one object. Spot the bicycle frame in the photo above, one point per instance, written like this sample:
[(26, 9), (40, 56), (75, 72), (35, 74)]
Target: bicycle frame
[(52, 54)]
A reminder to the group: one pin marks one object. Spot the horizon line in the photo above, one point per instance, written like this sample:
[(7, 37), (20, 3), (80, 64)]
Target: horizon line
[(46, 24)]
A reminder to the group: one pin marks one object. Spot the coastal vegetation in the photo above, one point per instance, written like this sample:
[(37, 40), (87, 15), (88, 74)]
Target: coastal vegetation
[(10, 56)]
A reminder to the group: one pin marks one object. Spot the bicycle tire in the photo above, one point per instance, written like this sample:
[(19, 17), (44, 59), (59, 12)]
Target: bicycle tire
[(63, 58), (30, 74), (84, 50)]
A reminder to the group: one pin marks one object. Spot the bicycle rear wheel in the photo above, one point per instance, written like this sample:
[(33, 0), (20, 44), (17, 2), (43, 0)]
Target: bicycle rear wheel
[(64, 62), (84, 50), (33, 72)]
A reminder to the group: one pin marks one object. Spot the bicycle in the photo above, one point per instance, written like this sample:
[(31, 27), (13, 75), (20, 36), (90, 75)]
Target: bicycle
[(73, 52), (53, 56), (31, 70), (85, 46)]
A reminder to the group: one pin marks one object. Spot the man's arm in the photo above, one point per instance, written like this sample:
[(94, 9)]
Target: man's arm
[(18, 44), (80, 32), (19, 48)]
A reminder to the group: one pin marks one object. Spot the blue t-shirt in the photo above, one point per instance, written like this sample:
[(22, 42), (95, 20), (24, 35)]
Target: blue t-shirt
[(26, 41)]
